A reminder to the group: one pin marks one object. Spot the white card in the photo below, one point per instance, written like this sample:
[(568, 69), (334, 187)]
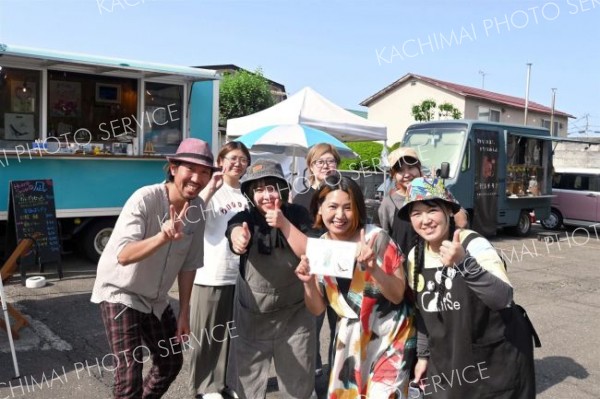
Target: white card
[(331, 257)]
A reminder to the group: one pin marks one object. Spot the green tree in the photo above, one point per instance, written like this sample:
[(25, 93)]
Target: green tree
[(369, 152), (427, 110), (243, 93), (447, 109), (424, 111)]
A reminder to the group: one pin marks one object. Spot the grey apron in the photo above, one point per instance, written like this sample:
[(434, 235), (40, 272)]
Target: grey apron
[(273, 323)]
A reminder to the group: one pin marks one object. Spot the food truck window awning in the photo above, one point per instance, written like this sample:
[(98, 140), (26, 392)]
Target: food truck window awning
[(16, 55), (555, 139)]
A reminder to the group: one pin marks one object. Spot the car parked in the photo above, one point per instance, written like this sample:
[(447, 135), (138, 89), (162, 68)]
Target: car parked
[(576, 200)]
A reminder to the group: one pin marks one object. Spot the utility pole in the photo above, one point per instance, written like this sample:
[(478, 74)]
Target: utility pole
[(482, 73), (527, 92), (552, 114), (587, 123)]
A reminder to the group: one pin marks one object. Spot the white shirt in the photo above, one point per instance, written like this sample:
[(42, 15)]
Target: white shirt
[(221, 266)]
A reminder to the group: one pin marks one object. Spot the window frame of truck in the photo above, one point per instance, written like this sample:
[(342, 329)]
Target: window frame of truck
[(92, 187)]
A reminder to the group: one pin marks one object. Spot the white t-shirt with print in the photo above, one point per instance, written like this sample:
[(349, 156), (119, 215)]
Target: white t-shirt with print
[(221, 266)]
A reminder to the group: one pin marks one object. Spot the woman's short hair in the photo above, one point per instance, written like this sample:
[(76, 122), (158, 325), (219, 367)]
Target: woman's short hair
[(232, 146), (316, 152), (433, 203), (357, 200), (281, 186)]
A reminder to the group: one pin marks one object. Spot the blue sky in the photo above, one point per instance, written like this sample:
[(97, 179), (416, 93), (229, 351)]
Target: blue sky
[(346, 50)]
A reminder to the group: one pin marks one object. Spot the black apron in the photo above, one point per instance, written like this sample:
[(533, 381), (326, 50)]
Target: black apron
[(475, 352)]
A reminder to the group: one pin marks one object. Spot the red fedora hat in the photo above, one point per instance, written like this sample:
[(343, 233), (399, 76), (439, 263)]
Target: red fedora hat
[(194, 151)]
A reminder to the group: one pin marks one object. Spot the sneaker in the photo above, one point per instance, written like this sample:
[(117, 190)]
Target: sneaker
[(212, 395), (230, 393)]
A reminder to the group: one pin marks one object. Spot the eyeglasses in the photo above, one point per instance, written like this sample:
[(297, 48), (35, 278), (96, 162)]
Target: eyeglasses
[(321, 162), (234, 159)]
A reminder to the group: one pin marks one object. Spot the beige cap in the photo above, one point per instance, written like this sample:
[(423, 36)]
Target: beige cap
[(398, 153)]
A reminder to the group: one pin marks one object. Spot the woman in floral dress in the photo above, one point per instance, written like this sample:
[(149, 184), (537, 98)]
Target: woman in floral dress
[(375, 342)]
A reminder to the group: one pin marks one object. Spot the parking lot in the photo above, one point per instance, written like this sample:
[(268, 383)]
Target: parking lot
[(60, 355)]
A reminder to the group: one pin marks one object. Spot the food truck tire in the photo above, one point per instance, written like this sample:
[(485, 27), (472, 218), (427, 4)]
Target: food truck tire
[(523, 226), (95, 237), (554, 221)]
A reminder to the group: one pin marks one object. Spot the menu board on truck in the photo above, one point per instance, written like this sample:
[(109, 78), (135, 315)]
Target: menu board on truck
[(32, 213), (486, 182)]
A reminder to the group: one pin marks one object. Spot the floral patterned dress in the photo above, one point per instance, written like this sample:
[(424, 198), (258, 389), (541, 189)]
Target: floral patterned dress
[(375, 342)]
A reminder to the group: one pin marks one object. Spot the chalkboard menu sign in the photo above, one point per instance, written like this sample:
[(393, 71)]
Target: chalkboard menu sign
[(33, 214)]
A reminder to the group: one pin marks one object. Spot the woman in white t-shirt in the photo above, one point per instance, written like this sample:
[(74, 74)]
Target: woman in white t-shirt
[(212, 322)]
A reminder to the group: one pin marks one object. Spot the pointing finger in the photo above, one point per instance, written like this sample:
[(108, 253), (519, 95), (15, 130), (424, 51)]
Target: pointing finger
[(184, 210), (372, 240), (172, 216)]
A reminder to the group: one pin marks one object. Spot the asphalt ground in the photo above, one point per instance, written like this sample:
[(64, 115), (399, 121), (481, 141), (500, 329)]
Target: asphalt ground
[(60, 354)]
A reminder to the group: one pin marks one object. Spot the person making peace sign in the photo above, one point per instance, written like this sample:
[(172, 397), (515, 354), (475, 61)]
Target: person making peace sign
[(158, 237), (375, 343)]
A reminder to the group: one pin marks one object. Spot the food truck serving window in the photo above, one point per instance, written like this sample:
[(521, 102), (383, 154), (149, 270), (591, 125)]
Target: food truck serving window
[(19, 107), (163, 117), (92, 110), (528, 164)]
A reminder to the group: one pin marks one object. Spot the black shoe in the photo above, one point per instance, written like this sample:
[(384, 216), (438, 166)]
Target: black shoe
[(229, 393)]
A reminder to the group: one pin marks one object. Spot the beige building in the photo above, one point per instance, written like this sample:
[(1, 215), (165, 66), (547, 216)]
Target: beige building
[(392, 105)]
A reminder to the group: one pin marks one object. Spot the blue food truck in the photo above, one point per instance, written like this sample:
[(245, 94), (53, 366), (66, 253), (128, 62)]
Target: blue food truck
[(97, 127), (499, 173)]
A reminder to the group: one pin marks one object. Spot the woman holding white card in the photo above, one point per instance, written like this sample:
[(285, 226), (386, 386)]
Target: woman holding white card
[(375, 342)]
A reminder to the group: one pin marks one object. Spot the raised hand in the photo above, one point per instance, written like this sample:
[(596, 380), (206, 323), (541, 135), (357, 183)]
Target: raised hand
[(172, 229), (275, 217), (452, 252), (303, 270), (240, 237), (366, 256), (216, 180)]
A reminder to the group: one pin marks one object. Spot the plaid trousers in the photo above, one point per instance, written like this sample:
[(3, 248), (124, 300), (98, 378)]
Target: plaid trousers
[(132, 336)]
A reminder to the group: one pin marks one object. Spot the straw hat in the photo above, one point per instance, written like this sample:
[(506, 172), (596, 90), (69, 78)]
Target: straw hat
[(404, 155)]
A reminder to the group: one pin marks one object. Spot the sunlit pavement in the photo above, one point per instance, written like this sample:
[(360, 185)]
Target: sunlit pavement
[(61, 353)]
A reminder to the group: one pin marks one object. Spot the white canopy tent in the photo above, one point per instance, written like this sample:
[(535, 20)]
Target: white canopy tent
[(310, 108)]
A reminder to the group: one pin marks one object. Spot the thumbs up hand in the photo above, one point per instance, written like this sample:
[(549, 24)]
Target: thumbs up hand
[(240, 237), (275, 217), (452, 252)]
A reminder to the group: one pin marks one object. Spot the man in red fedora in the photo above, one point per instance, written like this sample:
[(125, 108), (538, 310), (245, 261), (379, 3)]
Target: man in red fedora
[(158, 237)]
